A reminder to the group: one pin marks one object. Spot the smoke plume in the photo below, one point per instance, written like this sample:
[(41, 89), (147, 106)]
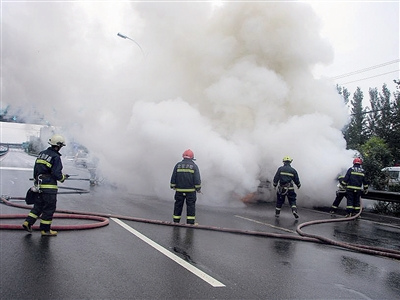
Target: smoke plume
[(231, 82)]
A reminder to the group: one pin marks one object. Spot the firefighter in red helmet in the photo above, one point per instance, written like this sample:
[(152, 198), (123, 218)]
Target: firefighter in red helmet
[(186, 182), (356, 183)]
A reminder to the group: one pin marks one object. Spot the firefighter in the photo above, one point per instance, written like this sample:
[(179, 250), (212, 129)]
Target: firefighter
[(46, 172), (340, 194), (356, 183), (284, 178), (186, 182)]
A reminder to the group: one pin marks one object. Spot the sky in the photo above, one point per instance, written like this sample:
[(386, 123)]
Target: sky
[(241, 84), (366, 42)]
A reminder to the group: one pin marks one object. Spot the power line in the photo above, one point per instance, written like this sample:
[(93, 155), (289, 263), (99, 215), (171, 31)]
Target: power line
[(372, 111), (366, 69), (369, 77)]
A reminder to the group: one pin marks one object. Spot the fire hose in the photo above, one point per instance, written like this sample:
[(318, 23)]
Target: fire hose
[(104, 220), (356, 247)]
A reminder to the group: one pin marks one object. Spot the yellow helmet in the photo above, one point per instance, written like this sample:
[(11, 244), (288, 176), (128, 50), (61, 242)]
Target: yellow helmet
[(57, 140), (287, 159)]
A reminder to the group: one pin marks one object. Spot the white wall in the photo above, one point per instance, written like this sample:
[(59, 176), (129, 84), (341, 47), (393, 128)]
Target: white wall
[(17, 132)]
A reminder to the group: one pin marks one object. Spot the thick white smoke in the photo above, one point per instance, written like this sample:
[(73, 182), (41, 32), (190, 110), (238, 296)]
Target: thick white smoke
[(233, 83)]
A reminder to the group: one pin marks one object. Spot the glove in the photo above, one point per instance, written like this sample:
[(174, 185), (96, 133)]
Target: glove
[(365, 191), (275, 184), (298, 186), (65, 176), (198, 190)]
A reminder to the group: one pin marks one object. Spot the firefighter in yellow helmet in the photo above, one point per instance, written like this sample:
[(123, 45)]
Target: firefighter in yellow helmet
[(284, 178), (186, 181), (46, 172)]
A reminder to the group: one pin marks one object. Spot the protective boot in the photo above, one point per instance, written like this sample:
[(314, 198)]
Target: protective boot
[(49, 233), (277, 212), (27, 226), (295, 214)]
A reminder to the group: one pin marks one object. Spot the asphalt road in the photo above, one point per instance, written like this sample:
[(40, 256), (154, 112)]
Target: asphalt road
[(141, 260)]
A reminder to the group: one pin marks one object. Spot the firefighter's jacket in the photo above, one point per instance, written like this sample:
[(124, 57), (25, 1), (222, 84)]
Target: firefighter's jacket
[(48, 170), (186, 177), (355, 180), (285, 176)]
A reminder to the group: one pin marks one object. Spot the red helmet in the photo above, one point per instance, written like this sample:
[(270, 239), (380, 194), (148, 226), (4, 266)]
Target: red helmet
[(357, 161), (188, 154)]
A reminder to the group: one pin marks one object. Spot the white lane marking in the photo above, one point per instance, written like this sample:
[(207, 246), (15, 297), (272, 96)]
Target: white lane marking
[(270, 225), (207, 278), (16, 169)]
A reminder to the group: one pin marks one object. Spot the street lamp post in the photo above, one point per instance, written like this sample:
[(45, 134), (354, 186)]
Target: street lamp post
[(126, 37)]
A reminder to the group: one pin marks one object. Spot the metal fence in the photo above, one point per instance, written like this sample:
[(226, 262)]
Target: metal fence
[(382, 196)]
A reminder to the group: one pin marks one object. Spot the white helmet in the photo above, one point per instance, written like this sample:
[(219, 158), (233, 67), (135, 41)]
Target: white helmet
[(57, 140)]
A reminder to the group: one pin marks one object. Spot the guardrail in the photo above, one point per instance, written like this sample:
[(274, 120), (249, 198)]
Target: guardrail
[(11, 145), (382, 196), (3, 149)]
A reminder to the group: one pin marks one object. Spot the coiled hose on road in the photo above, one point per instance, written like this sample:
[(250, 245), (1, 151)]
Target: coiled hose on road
[(104, 220)]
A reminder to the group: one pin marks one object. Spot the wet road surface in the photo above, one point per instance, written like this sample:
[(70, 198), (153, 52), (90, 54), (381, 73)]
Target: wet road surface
[(138, 260)]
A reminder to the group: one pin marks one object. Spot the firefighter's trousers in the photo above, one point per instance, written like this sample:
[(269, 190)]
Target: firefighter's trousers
[(291, 195), (339, 197), (353, 201), (180, 198), (44, 207)]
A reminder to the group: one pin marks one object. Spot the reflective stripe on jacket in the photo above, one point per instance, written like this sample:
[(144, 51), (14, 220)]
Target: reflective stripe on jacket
[(286, 175), (186, 177), (48, 170), (355, 179)]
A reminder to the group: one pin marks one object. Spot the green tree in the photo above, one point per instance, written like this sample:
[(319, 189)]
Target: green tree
[(384, 121), (376, 135), (356, 132), (380, 116), (394, 135), (344, 92), (373, 116), (376, 155)]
